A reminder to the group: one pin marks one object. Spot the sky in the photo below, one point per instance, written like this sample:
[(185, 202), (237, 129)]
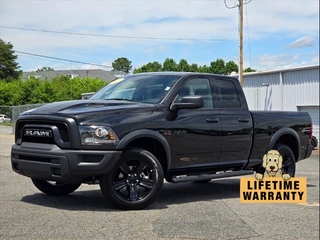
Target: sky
[(73, 34)]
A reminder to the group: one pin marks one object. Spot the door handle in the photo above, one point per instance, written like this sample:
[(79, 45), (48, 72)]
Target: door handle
[(244, 120), (213, 120)]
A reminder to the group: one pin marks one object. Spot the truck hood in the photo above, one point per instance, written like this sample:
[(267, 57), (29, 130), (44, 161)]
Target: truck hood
[(87, 112)]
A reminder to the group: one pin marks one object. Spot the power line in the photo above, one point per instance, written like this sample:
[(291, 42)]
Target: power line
[(236, 5), (62, 59), (114, 36)]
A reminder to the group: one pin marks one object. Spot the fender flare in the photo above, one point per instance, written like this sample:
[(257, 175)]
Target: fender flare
[(279, 134), (150, 134)]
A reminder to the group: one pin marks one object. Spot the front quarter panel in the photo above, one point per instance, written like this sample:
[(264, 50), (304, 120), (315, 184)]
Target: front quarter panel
[(146, 133)]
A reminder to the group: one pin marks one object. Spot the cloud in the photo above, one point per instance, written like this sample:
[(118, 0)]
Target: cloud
[(149, 50), (302, 42), (284, 61), (154, 49), (177, 19), (315, 60)]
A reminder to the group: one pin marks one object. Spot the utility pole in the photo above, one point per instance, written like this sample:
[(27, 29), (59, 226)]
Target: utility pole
[(240, 6), (241, 42)]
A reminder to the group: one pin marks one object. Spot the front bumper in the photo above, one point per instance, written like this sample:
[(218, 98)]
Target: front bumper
[(49, 162)]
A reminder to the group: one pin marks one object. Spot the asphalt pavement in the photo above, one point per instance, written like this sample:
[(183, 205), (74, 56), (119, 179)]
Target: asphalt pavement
[(6, 129), (183, 211)]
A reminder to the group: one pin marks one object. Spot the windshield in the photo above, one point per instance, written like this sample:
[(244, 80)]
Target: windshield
[(138, 88)]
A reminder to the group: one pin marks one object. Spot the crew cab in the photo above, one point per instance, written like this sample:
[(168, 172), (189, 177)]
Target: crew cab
[(145, 128)]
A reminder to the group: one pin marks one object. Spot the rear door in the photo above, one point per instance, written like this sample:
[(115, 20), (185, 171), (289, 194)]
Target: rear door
[(235, 122)]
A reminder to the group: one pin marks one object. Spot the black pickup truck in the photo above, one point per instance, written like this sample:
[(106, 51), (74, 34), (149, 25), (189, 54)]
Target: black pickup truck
[(144, 128)]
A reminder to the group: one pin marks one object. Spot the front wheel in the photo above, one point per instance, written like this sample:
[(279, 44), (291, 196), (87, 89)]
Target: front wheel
[(135, 181), (54, 188), (288, 159)]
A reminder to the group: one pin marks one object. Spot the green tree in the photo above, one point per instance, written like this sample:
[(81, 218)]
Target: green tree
[(9, 68), (169, 65), (62, 86), (66, 88), (28, 87), (183, 66), (43, 93), (249, 70), (230, 67), (11, 93), (204, 69), (34, 90), (149, 67), (122, 64), (193, 67), (137, 70), (217, 67), (85, 85), (44, 69)]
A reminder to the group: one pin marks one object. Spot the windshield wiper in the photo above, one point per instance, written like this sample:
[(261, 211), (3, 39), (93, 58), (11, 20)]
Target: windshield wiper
[(123, 99)]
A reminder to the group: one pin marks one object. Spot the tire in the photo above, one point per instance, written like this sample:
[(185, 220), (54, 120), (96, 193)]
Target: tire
[(135, 182), (314, 142), (288, 159), (54, 188)]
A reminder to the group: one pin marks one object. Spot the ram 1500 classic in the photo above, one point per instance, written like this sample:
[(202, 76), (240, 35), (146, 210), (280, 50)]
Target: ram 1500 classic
[(146, 128)]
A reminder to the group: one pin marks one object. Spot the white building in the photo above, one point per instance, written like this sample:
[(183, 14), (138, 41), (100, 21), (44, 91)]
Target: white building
[(295, 89)]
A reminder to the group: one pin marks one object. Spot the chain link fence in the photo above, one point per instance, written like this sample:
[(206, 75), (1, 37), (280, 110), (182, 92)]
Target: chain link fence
[(14, 111), (6, 110)]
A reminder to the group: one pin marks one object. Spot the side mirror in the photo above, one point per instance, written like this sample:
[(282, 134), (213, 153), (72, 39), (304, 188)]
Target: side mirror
[(188, 102)]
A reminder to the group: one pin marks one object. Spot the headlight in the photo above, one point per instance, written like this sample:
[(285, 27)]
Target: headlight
[(93, 135)]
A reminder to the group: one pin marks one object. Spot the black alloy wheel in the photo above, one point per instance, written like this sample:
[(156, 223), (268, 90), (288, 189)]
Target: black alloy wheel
[(288, 159), (54, 188), (135, 182)]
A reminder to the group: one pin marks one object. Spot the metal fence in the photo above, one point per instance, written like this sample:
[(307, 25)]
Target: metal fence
[(14, 111), (17, 110), (6, 110)]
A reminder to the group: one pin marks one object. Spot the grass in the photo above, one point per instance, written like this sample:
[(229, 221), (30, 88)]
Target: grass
[(6, 124)]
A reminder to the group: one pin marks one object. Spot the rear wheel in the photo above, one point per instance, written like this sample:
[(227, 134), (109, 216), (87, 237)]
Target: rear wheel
[(54, 188), (288, 159), (135, 181)]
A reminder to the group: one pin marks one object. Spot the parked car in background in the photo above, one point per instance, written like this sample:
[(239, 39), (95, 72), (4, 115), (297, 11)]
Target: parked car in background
[(4, 118)]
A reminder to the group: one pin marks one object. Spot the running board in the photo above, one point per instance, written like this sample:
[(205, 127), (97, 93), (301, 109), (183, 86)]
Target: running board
[(203, 177)]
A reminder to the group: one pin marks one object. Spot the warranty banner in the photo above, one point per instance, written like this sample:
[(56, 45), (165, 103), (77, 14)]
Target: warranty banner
[(273, 190)]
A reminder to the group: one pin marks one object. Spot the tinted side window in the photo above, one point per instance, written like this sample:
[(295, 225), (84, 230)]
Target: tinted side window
[(198, 87), (226, 94)]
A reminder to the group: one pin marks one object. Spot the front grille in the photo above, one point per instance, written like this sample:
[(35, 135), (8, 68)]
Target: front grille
[(57, 136), (63, 130), (38, 140)]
